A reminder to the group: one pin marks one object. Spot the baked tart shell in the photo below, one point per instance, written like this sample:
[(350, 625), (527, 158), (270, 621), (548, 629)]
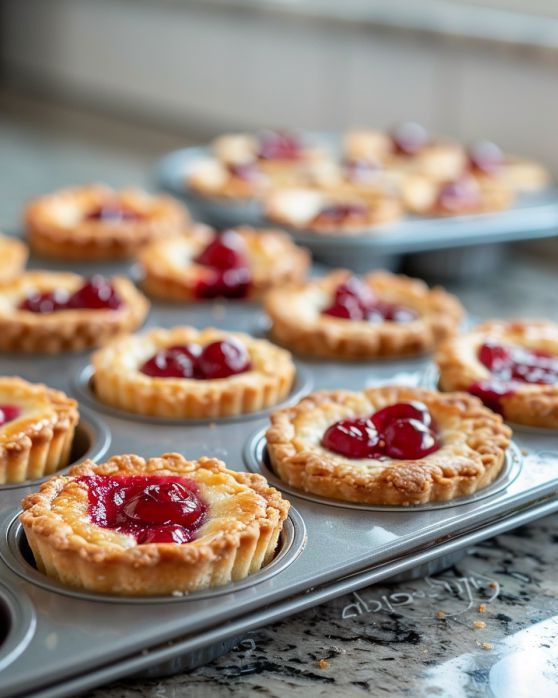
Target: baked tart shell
[(246, 541)]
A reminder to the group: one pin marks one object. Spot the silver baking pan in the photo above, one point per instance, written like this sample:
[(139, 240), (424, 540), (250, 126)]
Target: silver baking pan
[(73, 640), (455, 247)]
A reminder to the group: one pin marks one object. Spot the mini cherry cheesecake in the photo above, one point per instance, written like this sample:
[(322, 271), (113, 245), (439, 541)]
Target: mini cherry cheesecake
[(166, 525), (13, 257), (391, 445), (344, 317), (463, 195), (185, 373), (487, 162), (511, 366), (330, 211), (50, 312), (238, 264), (95, 222), (37, 427)]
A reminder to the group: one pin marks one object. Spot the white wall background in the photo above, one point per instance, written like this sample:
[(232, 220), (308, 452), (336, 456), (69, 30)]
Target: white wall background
[(209, 70)]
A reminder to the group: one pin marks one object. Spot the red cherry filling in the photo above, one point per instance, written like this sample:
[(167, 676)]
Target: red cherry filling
[(409, 138), (8, 413), (336, 214), (459, 196), (509, 366), (216, 360), (486, 157), (151, 508), (354, 300), (362, 171), (112, 212), (97, 293), (403, 431), (230, 275), (276, 145)]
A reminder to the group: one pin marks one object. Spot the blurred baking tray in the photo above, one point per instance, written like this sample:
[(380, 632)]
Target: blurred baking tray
[(533, 216), (74, 640)]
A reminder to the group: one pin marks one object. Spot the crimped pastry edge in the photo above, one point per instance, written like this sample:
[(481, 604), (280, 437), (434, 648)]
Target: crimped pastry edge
[(346, 340), (530, 404), (71, 330), (259, 389), (40, 448), (156, 568), (407, 482)]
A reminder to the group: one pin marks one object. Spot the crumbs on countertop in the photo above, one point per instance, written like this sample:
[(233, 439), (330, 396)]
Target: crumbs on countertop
[(323, 664), (479, 625), (482, 608)]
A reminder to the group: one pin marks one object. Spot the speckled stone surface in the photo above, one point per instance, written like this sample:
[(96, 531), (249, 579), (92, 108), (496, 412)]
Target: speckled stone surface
[(421, 638)]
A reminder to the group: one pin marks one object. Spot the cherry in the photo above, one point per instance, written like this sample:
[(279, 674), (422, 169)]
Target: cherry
[(335, 214), (163, 503), (354, 438), (223, 359), (170, 533), (174, 362), (491, 393), (112, 212), (460, 195), (494, 356), (354, 300), (226, 251), (401, 431), (152, 508), (276, 145), (97, 293), (407, 439), (45, 302), (486, 157), (409, 138), (8, 413), (402, 410), (247, 171)]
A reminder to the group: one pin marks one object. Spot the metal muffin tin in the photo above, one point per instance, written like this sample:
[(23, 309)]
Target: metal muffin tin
[(59, 642), (456, 247)]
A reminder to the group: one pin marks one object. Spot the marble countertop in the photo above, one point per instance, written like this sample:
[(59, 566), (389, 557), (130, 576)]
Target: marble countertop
[(486, 627)]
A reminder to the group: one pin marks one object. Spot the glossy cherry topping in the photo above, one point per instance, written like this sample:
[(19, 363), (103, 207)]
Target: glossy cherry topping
[(97, 293), (151, 508), (512, 365), (362, 171), (337, 214), (220, 359), (8, 413), (409, 138), (459, 196), (113, 212), (230, 274), (277, 145), (354, 300), (247, 171), (403, 431), (486, 157)]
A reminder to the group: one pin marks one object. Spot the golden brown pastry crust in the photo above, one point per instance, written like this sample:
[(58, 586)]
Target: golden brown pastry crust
[(297, 322), (169, 272), (56, 225), (239, 536), (301, 208), (474, 442), (13, 257), (419, 195), (118, 382), (64, 330), (530, 404), (39, 441)]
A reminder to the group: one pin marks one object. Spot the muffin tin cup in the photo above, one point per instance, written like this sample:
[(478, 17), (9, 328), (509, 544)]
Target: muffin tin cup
[(16, 553), (17, 624), (430, 379), (92, 440), (82, 384), (256, 459)]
